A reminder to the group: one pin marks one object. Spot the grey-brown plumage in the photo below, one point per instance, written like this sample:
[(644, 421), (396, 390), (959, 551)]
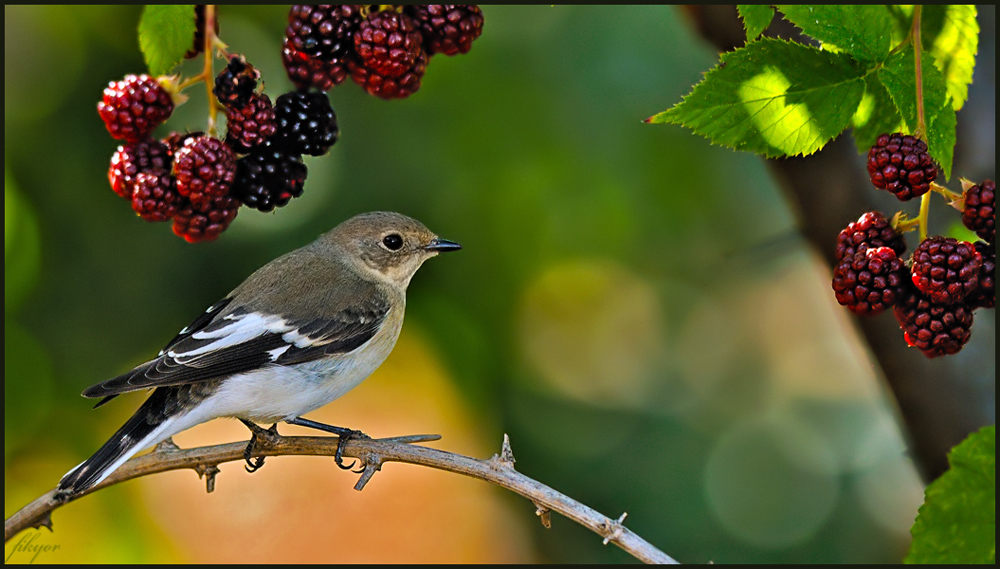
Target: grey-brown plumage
[(295, 335)]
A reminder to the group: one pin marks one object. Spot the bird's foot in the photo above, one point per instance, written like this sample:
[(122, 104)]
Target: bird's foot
[(256, 434)]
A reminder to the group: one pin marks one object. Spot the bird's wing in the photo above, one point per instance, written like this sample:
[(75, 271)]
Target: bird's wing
[(219, 344)]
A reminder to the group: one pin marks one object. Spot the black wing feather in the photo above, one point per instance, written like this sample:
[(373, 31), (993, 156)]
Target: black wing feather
[(345, 331)]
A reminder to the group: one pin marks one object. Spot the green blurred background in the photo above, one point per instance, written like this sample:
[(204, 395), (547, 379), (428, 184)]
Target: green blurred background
[(632, 306)]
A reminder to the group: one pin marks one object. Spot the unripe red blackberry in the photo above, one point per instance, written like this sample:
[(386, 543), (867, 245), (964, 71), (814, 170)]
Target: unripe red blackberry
[(447, 28), (980, 214), (237, 83), (306, 123), (946, 269), (388, 43), (155, 196), (199, 32), (269, 177), (308, 72), (872, 229), (175, 141), (901, 164), (133, 107), (985, 295), (204, 167), (133, 158), (387, 87), (207, 221), (324, 32), (869, 281), (251, 125), (935, 329)]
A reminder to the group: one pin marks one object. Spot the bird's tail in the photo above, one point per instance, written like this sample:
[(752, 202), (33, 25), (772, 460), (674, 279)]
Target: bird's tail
[(148, 426)]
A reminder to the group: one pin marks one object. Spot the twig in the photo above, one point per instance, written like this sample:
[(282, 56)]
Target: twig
[(373, 453)]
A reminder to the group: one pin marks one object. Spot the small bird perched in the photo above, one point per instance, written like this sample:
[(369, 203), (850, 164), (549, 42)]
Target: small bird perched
[(298, 333)]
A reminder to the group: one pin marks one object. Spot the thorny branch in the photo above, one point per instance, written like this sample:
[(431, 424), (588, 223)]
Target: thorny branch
[(372, 453)]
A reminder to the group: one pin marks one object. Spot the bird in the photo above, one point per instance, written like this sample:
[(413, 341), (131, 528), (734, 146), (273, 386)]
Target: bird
[(298, 333)]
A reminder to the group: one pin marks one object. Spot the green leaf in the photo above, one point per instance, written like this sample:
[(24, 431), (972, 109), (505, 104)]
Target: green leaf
[(862, 31), (876, 115), (951, 34), (756, 18), (957, 523), (902, 21), (899, 78), (773, 97), (165, 35)]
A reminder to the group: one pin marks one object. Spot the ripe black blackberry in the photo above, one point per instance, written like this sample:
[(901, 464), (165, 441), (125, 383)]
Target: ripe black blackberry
[(388, 87), (199, 32), (311, 73), (388, 43), (133, 107), (155, 196), (935, 329), (306, 123), (206, 221), (447, 28), (985, 295), (269, 177), (204, 167), (872, 229), (901, 164), (869, 281), (946, 269), (251, 125), (325, 33), (134, 158), (237, 83), (980, 213)]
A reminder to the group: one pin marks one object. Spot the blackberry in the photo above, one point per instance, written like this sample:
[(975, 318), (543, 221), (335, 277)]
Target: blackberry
[(935, 329), (269, 177), (946, 269), (199, 32), (308, 72), (869, 281), (387, 87), (872, 229), (985, 295), (447, 28), (388, 43), (900, 163), (205, 168), (980, 214), (175, 140), (251, 125), (236, 84), (134, 158), (133, 107), (207, 221), (325, 33), (155, 197), (306, 123)]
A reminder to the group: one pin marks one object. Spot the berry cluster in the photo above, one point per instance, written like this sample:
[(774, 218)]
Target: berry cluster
[(935, 291), (384, 48), (197, 180)]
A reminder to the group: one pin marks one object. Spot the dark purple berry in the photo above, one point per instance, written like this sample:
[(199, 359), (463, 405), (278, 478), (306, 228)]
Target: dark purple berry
[(133, 107), (901, 164), (447, 28), (946, 269)]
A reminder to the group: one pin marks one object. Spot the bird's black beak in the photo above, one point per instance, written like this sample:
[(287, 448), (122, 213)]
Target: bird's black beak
[(442, 245)]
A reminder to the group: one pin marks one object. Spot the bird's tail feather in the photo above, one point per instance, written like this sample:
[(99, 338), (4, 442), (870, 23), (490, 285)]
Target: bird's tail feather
[(148, 426)]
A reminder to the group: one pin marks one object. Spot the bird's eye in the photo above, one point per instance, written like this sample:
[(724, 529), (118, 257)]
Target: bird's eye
[(392, 241)]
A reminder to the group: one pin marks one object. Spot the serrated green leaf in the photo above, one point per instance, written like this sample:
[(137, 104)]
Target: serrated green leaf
[(898, 75), (773, 97), (957, 523), (951, 34), (860, 30), (876, 115), (756, 18), (165, 35)]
